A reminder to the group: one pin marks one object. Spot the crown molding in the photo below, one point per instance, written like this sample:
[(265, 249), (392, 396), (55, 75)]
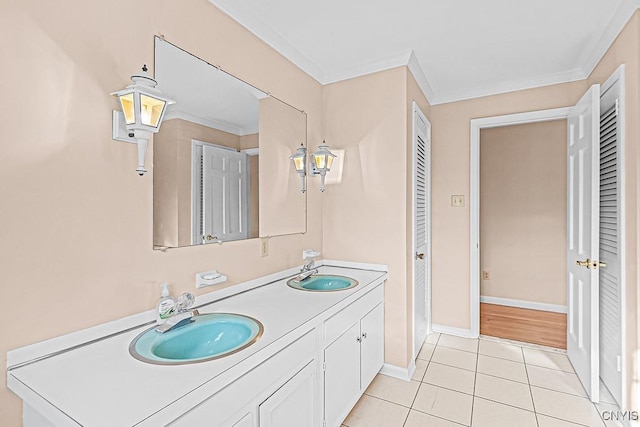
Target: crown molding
[(587, 63), (421, 78), (272, 38), (215, 124), (398, 60), (591, 57), (510, 86)]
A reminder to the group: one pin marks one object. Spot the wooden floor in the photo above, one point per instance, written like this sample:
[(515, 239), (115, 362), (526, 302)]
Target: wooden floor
[(520, 324)]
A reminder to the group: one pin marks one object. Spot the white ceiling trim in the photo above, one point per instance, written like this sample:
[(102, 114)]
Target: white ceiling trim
[(399, 60), (590, 58), (215, 124), (265, 33), (512, 86), (421, 78)]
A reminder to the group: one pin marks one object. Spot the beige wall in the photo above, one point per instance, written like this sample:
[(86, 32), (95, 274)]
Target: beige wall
[(366, 216), (523, 212), (251, 141), (450, 172), (76, 234), (282, 206)]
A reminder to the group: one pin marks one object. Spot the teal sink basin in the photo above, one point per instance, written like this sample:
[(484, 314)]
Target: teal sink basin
[(210, 336), (323, 283)]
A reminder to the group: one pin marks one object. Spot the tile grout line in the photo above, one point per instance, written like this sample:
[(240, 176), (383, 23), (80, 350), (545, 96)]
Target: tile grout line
[(533, 403), (475, 381)]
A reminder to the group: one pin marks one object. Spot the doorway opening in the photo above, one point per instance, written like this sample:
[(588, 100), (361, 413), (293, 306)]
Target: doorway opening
[(523, 217)]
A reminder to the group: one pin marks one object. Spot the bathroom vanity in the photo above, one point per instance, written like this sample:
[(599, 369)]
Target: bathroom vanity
[(317, 354)]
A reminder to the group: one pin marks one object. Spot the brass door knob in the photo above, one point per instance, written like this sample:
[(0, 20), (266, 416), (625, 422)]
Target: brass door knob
[(600, 264), (419, 256), (586, 263)]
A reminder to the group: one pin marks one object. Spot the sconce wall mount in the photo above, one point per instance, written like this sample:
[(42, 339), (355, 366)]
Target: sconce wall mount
[(319, 163), (143, 108)]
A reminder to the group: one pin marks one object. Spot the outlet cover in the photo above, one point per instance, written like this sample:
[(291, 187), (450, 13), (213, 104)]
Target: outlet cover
[(264, 247), (457, 201), (485, 275)]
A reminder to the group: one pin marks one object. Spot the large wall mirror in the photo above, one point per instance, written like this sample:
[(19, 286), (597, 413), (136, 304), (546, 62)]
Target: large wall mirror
[(221, 168)]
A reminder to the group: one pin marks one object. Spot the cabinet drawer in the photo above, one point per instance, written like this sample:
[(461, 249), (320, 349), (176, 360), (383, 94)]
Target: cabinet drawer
[(337, 324), (264, 378)]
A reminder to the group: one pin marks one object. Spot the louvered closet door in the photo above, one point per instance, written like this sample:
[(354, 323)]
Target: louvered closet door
[(422, 196), (610, 248)]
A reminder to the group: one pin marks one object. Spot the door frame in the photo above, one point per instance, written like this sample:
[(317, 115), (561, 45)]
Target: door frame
[(474, 194), (417, 111)]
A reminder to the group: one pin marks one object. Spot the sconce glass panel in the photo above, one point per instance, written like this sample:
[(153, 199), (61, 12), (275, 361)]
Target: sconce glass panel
[(128, 108), (320, 160), (151, 111)]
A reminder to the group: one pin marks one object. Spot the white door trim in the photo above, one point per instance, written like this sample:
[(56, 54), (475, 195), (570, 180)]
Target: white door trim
[(474, 194), (416, 111)]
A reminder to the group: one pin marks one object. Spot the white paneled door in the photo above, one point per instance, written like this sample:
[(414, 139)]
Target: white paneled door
[(224, 194), (583, 239), (421, 227)]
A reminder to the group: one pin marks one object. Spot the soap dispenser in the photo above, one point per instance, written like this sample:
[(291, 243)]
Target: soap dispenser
[(166, 305)]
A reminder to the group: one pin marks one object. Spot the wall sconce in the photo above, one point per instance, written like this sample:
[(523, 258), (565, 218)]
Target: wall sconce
[(322, 160), (143, 108), (300, 163)]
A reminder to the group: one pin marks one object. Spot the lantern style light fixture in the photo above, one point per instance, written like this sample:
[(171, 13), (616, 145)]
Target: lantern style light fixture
[(322, 159), (300, 164), (143, 108)]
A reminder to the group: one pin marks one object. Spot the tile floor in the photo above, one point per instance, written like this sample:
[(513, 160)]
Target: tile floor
[(481, 383)]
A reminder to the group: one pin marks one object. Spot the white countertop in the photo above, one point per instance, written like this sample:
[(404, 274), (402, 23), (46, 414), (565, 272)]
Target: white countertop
[(101, 384)]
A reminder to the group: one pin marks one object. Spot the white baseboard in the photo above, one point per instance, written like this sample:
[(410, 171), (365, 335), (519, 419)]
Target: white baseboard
[(555, 308), (398, 372), (450, 330)]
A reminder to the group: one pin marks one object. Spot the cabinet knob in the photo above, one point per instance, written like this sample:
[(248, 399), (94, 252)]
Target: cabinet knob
[(359, 339), (364, 335)]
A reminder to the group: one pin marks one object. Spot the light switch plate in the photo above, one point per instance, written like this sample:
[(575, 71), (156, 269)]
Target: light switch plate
[(457, 201)]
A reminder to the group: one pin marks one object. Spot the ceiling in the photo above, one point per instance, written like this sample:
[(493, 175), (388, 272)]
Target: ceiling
[(456, 49)]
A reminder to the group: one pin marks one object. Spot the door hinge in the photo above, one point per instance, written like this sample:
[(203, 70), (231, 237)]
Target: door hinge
[(324, 367), (619, 363)]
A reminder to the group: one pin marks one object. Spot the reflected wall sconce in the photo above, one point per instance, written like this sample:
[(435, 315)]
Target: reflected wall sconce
[(143, 108), (300, 163), (322, 160)]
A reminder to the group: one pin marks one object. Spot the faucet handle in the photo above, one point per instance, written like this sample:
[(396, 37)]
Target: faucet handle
[(185, 301)]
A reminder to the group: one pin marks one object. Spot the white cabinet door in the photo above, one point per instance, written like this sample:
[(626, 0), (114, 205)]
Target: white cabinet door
[(342, 375), (372, 347), (292, 404)]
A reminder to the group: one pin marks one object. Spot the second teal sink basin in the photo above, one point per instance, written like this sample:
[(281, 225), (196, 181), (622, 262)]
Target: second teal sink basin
[(210, 336), (323, 283)]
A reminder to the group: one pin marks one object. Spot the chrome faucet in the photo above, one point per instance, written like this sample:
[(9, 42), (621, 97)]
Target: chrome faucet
[(308, 265), (182, 316), (307, 270)]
